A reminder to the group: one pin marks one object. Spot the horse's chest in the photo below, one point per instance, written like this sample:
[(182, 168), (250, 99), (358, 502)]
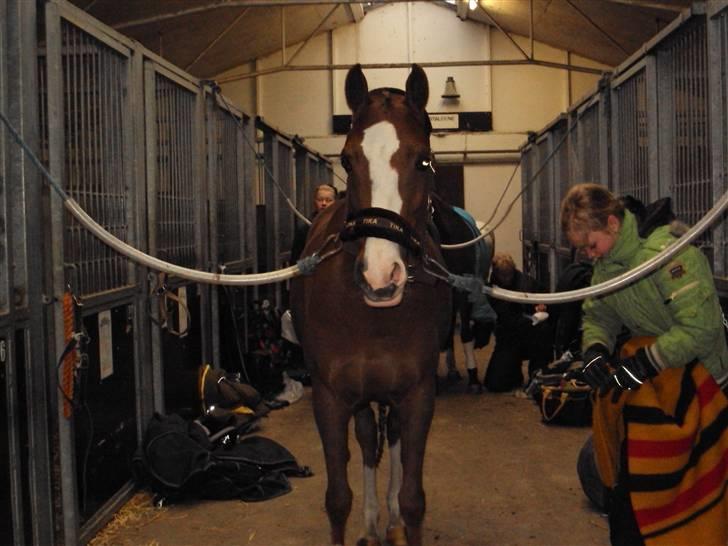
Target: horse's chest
[(385, 378), (365, 353)]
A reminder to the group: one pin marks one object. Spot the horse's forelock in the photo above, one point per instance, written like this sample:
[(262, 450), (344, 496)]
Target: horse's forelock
[(386, 94), (392, 90)]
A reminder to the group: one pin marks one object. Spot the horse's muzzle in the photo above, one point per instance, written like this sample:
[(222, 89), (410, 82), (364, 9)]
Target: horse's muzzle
[(380, 291)]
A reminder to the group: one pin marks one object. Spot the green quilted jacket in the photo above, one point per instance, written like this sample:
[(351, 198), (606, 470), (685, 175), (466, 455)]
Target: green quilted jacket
[(677, 303)]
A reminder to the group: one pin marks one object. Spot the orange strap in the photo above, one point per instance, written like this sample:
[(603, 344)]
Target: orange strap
[(69, 362)]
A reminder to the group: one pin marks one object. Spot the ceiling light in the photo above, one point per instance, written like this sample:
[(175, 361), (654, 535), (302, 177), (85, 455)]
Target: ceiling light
[(472, 4), (451, 91)]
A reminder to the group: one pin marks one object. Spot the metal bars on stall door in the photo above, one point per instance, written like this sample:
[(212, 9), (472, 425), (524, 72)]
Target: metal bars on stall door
[(94, 83), (657, 128), (631, 140), (176, 191), (717, 37), (229, 201), (682, 71)]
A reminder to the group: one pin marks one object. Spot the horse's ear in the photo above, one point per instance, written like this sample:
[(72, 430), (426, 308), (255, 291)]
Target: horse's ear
[(417, 89), (356, 88)]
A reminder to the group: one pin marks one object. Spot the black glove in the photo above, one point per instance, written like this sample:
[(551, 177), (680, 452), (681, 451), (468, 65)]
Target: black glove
[(634, 371), (596, 369)]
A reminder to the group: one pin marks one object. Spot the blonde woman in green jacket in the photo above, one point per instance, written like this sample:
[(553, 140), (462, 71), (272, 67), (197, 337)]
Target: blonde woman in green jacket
[(677, 304)]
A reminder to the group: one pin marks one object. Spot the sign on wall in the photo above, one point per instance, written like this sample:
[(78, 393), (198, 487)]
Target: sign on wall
[(441, 122)]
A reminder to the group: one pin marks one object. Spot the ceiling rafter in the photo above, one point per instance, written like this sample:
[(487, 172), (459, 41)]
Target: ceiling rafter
[(357, 11), (199, 36), (218, 38), (312, 34), (423, 64), (597, 27), (222, 4), (647, 4), (504, 32)]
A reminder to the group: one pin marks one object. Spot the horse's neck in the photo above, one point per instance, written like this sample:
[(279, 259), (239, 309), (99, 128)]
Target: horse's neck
[(327, 222)]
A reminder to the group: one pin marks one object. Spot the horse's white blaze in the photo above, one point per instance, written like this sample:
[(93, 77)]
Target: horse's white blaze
[(371, 505), (395, 483), (379, 144)]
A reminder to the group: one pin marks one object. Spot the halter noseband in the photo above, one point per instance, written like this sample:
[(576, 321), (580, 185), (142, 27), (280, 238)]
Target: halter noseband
[(381, 223)]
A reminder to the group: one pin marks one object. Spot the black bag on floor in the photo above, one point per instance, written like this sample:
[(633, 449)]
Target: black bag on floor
[(178, 461), (562, 399)]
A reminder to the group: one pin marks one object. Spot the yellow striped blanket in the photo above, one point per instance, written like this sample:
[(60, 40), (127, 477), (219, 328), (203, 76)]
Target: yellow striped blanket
[(675, 429)]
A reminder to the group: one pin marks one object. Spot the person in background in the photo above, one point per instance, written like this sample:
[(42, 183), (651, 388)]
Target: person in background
[(677, 307), (324, 196), (518, 336), (567, 317)]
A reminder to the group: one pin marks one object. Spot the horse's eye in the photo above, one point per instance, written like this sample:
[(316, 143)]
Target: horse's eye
[(346, 163), (423, 163)]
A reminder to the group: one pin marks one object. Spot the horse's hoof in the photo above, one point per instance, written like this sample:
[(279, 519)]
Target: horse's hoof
[(368, 541), (396, 536)]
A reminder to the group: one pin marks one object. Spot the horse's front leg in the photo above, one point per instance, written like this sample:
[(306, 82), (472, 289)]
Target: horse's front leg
[(366, 434), (332, 420), (395, 528), (416, 412)]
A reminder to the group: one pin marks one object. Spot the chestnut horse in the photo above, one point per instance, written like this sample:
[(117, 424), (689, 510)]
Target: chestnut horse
[(371, 320)]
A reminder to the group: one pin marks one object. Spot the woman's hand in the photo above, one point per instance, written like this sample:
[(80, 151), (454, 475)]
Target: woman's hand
[(596, 370)]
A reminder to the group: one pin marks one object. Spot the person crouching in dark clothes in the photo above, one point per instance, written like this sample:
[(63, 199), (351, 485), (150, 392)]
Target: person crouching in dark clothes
[(517, 337), (566, 317), (324, 196)]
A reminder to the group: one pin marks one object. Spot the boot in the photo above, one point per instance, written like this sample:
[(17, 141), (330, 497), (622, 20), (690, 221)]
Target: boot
[(474, 386)]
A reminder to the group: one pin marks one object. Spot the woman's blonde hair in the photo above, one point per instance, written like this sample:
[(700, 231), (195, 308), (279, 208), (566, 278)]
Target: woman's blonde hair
[(503, 263), (587, 206), (327, 188)]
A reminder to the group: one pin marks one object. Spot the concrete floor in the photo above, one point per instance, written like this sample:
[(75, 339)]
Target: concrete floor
[(494, 475)]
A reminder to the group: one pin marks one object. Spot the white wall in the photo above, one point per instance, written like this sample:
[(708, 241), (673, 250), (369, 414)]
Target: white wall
[(521, 98), (526, 98), (410, 33), (484, 185), (297, 102), (582, 83), (242, 92)]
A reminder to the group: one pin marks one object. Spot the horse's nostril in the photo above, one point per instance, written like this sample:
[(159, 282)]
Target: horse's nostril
[(359, 277), (360, 266), (397, 275)]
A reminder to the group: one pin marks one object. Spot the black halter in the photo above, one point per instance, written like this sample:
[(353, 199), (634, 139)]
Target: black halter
[(381, 223)]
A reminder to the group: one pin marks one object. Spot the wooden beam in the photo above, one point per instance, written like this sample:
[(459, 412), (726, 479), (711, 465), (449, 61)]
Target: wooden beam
[(674, 8), (597, 27), (313, 33), (461, 9), (220, 4), (356, 10), (425, 64), (503, 31), (218, 38)]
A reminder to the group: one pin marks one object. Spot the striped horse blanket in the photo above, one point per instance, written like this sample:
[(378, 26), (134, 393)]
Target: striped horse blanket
[(675, 431)]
